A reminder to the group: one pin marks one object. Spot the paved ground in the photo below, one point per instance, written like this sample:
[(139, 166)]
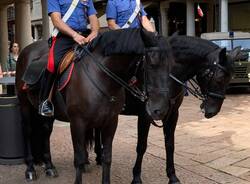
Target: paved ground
[(215, 151)]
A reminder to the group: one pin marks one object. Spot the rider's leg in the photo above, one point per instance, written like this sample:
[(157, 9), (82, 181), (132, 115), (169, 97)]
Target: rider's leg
[(61, 46), (46, 107)]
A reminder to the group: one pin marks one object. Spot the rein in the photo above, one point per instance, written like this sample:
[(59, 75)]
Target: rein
[(134, 91), (195, 91), (211, 94)]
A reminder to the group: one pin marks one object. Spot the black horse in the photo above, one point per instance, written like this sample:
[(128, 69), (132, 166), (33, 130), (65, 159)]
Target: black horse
[(94, 96), (193, 57)]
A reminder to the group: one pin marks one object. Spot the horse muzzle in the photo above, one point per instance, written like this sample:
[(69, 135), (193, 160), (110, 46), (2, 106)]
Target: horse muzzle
[(156, 112), (211, 112)]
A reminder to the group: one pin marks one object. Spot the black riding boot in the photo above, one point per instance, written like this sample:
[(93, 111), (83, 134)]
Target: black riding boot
[(46, 107)]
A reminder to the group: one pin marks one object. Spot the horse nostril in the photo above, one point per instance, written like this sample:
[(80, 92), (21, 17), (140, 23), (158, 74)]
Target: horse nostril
[(157, 112)]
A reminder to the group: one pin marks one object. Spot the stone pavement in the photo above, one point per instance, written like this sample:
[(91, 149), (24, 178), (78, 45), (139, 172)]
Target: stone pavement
[(214, 151)]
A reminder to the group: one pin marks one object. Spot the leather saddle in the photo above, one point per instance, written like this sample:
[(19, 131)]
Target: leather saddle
[(35, 70)]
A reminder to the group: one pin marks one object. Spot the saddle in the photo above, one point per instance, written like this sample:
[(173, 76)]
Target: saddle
[(36, 68)]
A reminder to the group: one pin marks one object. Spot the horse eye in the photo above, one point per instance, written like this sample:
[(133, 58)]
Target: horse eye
[(206, 72), (211, 74)]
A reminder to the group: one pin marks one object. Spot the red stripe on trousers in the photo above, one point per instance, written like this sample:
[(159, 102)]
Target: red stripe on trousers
[(51, 62)]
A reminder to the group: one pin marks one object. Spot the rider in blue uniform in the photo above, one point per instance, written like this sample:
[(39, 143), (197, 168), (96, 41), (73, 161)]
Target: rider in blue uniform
[(118, 13), (73, 31)]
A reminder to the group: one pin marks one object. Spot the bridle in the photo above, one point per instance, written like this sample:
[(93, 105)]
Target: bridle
[(147, 69), (81, 51), (195, 90)]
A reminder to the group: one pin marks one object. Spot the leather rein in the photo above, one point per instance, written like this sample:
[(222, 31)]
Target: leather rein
[(195, 91), (130, 87)]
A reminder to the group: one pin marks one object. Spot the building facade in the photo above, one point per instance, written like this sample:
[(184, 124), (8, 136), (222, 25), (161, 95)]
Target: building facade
[(36, 20), (27, 20)]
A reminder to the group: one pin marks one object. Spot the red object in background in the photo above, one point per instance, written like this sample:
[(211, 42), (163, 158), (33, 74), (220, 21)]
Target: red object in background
[(1, 75), (200, 12)]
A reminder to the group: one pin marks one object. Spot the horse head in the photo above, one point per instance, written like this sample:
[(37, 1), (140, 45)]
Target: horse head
[(214, 79), (156, 65)]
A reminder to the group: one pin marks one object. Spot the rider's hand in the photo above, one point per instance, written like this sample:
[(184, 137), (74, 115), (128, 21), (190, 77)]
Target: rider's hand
[(91, 36), (79, 39)]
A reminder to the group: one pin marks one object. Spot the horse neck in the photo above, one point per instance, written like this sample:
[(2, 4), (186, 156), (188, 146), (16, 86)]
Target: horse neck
[(190, 56), (119, 65), (122, 64)]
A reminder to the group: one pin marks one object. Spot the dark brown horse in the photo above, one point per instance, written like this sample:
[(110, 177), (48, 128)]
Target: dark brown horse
[(193, 57), (92, 98)]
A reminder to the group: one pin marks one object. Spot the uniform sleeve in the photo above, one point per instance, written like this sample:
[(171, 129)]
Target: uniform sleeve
[(91, 9), (143, 13), (53, 6), (111, 12)]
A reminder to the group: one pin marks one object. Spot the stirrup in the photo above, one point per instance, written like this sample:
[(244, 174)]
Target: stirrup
[(46, 108)]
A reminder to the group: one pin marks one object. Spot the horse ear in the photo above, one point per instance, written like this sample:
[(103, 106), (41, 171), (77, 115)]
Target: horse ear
[(149, 38), (223, 55), (235, 53), (223, 52)]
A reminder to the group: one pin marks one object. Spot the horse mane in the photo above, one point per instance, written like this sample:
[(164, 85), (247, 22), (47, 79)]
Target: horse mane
[(131, 41), (164, 46), (197, 47), (122, 41), (188, 45)]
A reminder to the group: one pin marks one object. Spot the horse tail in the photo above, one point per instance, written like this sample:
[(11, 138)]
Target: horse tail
[(90, 138)]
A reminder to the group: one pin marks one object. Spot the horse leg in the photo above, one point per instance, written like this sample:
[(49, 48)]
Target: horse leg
[(30, 173), (27, 112), (107, 135), (98, 146), (50, 169), (143, 129), (169, 130), (78, 134)]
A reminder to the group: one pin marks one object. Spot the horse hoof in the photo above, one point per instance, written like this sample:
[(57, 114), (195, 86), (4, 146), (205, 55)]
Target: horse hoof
[(136, 181), (87, 162), (98, 161), (174, 182), (87, 169), (52, 172), (30, 175)]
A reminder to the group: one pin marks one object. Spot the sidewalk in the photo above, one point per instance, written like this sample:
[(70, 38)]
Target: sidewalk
[(214, 151)]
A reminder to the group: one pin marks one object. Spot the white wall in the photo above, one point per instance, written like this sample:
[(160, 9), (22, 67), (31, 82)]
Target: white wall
[(36, 11)]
